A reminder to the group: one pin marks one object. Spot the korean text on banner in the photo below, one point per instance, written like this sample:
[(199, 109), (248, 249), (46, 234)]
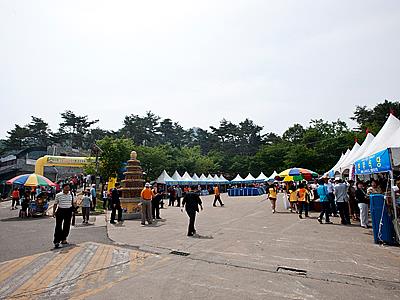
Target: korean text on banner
[(376, 163)]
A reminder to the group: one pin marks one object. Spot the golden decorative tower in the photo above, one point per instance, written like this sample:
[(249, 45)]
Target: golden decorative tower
[(132, 186)]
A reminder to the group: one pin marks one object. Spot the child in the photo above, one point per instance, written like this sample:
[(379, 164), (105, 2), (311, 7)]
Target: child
[(302, 200), (86, 203), (105, 198), (272, 192), (292, 198), (24, 205)]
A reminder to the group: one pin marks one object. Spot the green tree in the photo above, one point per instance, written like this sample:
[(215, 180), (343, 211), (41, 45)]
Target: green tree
[(18, 138), (39, 132), (73, 129), (114, 153), (142, 130)]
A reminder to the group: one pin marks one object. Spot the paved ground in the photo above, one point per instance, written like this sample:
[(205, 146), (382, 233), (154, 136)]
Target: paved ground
[(22, 237), (243, 252)]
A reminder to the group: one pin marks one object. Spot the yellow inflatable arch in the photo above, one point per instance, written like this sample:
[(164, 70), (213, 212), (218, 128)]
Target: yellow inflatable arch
[(60, 161)]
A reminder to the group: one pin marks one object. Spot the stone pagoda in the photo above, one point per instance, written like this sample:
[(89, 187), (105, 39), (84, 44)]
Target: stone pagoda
[(131, 188)]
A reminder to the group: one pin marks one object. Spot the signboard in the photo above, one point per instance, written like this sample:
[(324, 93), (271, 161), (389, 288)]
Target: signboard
[(377, 163)]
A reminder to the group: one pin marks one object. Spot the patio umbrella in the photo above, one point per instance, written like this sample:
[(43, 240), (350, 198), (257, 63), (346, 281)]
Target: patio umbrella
[(31, 180), (305, 173)]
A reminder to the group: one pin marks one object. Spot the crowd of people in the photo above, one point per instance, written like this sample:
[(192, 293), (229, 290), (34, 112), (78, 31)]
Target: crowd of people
[(335, 198)]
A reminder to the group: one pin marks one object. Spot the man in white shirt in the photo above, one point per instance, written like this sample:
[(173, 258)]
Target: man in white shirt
[(62, 211)]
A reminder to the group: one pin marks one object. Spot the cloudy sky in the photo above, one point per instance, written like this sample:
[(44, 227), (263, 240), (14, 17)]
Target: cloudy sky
[(275, 62)]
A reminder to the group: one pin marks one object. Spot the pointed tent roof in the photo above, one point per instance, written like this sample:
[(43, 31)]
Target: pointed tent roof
[(344, 157), (237, 179), (273, 175), (358, 154), (216, 179), (187, 179), (262, 177), (249, 178), (349, 157), (164, 177), (203, 179), (176, 176), (381, 140), (195, 177), (223, 179), (210, 179)]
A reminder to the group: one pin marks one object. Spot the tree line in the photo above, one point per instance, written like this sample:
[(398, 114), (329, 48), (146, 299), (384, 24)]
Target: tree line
[(229, 148)]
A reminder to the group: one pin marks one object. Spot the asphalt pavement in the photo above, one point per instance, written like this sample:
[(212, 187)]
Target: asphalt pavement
[(23, 237)]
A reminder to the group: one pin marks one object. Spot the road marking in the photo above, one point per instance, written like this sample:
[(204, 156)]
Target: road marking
[(48, 273), (11, 284), (72, 272)]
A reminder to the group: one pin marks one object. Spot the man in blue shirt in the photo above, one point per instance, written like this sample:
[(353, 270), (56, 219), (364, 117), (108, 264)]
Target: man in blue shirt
[(322, 191)]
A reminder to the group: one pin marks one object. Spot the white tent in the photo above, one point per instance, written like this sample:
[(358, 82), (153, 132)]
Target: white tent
[(216, 179), (195, 177), (203, 179), (249, 179), (187, 179), (210, 179), (176, 176), (348, 165), (273, 175), (223, 179), (164, 177), (384, 136), (349, 157), (337, 166), (237, 179), (261, 177)]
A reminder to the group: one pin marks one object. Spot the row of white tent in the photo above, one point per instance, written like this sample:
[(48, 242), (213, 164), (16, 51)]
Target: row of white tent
[(186, 179), (387, 138)]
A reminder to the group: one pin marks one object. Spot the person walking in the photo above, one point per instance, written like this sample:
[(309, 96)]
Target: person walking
[(302, 200), (362, 202), (62, 211), (217, 196), (331, 198), (15, 196), (155, 203), (25, 200), (191, 203), (86, 203), (322, 191), (178, 193), (115, 204), (147, 196), (93, 194), (342, 201), (272, 193)]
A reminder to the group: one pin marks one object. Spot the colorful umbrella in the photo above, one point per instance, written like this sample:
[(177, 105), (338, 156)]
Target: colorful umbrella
[(304, 173), (31, 180), (293, 178)]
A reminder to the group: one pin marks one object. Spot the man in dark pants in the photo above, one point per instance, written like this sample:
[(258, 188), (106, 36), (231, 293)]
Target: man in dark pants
[(115, 204), (191, 202), (155, 203), (62, 211)]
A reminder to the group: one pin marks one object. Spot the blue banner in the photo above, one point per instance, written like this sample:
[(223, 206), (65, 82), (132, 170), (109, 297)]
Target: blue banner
[(377, 163)]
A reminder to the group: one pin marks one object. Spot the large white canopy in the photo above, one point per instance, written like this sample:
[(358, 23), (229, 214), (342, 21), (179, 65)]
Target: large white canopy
[(164, 177), (237, 179), (223, 179), (349, 157), (187, 179), (344, 157), (348, 164), (249, 179), (195, 177), (384, 138), (176, 176), (262, 177), (273, 175)]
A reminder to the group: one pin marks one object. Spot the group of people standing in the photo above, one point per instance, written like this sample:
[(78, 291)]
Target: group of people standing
[(336, 197)]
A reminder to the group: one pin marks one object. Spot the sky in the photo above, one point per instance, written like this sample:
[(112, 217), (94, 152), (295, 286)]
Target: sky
[(276, 62)]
